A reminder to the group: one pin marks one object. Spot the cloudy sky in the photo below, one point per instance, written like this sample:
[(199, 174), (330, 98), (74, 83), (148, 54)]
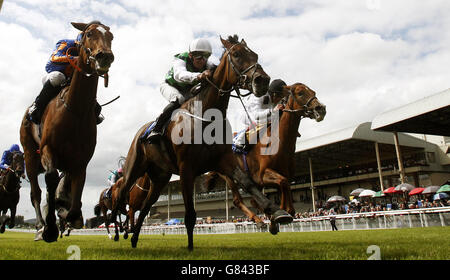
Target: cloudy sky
[(362, 57)]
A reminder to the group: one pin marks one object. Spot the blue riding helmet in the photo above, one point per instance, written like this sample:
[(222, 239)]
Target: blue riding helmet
[(14, 148)]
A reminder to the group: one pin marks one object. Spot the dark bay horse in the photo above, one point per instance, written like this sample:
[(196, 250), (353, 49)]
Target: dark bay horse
[(276, 169), (69, 131), (105, 204), (238, 68), (9, 188)]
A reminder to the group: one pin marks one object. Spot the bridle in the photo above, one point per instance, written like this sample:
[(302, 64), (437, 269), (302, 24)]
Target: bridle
[(242, 79), (74, 59), (304, 108)]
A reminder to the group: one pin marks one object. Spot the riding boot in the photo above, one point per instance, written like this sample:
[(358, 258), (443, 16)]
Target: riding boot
[(98, 109), (161, 121), (45, 96)]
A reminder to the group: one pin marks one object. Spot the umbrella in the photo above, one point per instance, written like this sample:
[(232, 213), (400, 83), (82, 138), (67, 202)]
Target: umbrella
[(431, 189), (390, 190), (416, 191), (440, 196), (367, 193), (357, 191), (336, 198), (405, 187), (444, 188), (379, 194)]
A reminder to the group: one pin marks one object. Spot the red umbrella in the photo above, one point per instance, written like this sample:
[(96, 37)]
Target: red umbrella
[(390, 190), (416, 191)]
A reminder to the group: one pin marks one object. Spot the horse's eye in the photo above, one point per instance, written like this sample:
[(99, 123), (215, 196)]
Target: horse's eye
[(89, 34), (236, 54)]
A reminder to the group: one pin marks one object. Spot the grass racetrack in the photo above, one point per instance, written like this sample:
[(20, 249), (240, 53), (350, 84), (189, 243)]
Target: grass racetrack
[(394, 244)]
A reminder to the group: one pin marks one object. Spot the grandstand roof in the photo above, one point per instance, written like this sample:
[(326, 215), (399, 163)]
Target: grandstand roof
[(430, 115), (351, 146)]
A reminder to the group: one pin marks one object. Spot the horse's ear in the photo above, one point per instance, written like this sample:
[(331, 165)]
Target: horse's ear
[(243, 42), (79, 26), (225, 43)]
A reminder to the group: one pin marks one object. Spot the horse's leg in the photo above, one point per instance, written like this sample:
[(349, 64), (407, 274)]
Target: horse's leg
[(61, 228), (35, 193), (105, 214), (187, 186), (131, 218), (277, 214), (239, 202), (3, 226), (272, 177), (12, 221), (75, 216), (126, 227), (51, 233), (155, 189)]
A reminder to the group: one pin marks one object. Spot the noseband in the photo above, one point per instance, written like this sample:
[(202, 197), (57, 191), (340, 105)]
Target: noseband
[(304, 108)]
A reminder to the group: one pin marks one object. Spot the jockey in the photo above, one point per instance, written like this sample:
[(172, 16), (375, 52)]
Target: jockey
[(260, 109), (112, 179), (7, 156), (59, 73), (188, 69)]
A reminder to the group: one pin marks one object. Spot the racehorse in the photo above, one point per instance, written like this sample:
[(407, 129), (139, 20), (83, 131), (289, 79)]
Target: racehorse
[(276, 169), (69, 131), (106, 203), (138, 194), (9, 189), (238, 68)]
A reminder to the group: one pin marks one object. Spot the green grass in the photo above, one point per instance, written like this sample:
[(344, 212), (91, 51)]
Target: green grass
[(395, 244)]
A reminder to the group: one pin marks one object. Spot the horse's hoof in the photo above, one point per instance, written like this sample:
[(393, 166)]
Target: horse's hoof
[(75, 219), (38, 235), (50, 233), (116, 237), (125, 235), (282, 217), (134, 241), (2, 229), (110, 236), (274, 228)]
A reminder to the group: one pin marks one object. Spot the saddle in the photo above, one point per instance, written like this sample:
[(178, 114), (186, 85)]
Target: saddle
[(251, 138)]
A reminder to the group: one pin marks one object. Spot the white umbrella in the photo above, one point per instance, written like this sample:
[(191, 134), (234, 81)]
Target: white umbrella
[(405, 187), (367, 193), (336, 198), (356, 192)]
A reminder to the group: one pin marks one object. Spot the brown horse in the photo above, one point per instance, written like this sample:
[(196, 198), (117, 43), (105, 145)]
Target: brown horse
[(9, 189), (137, 196), (69, 131), (276, 169), (106, 203), (238, 68)]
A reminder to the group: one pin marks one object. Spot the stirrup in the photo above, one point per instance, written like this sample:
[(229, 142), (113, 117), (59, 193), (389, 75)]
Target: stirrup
[(100, 119)]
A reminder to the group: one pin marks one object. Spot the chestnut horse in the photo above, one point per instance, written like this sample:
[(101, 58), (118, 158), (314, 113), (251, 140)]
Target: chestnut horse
[(105, 204), (69, 131), (9, 189), (238, 68), (276, 169)]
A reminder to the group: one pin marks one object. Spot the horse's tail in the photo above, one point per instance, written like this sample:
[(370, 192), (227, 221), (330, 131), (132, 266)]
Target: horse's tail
[(97, 210)]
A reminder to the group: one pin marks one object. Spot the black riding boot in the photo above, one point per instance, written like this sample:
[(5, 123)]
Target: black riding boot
[(161, 120), (45, 96)]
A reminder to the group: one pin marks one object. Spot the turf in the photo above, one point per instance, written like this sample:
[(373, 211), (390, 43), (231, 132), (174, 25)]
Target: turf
[(394, 244)]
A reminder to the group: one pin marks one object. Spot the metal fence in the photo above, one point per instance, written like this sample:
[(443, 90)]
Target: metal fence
[(427, 217)]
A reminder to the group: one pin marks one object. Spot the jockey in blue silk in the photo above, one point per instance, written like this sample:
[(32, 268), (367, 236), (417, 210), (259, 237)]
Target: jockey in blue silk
[(59, 73), (7, 156), (188, 69)]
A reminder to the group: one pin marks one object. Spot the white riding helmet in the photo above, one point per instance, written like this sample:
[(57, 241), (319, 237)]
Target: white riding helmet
[(200, 45)]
